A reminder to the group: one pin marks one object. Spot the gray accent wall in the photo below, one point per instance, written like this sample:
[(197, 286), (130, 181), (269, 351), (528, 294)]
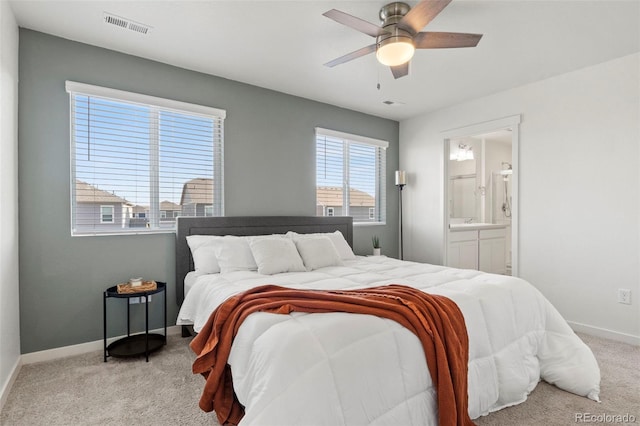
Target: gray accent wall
[(269, 170)]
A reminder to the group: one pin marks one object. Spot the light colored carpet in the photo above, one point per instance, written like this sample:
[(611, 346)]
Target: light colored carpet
[(83, 390)]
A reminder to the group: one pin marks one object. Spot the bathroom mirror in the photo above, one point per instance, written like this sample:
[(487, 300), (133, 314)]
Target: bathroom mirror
[(464, 183), (462, 202)]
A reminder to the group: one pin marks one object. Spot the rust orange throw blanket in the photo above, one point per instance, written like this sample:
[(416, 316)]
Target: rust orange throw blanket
[(436, 320)]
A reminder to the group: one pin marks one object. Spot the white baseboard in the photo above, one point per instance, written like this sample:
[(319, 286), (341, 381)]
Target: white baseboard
[(82, 348), (605, 333), (6, 388)]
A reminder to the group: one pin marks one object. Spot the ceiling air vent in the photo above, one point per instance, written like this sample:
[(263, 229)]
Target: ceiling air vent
[(126, 23)]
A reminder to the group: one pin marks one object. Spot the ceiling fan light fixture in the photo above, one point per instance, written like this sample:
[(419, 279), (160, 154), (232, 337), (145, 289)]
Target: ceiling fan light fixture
[(395, 51)]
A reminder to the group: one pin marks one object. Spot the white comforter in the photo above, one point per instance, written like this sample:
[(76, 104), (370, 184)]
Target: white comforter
[(348, 369)]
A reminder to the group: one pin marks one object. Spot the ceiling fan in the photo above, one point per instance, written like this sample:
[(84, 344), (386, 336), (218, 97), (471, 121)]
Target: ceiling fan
[(399, 35)]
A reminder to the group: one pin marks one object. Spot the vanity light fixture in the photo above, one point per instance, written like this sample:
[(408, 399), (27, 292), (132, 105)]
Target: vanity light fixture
[(464, 152)]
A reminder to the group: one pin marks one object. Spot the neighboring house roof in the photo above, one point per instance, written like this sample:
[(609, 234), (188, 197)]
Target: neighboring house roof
[(197, 191), (86, 193), (164, 205), (331, 196), (140, 209), (169, 205)]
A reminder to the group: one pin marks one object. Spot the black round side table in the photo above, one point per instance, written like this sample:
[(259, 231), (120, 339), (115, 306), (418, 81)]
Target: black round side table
[(140, 343)]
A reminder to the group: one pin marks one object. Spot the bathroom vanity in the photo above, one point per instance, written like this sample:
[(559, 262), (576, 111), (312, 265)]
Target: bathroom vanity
[(480, 246)]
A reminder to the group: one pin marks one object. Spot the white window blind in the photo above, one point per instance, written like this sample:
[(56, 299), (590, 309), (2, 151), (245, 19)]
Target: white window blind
[(350, 176), (138, 162)]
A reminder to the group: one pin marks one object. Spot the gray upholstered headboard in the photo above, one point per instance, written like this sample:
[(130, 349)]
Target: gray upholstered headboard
[(248, 225)]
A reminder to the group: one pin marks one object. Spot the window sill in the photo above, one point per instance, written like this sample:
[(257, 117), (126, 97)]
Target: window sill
[(111, 234), (369, 223)]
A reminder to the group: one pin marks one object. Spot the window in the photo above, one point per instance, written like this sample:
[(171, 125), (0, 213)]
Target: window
[(132, 153), (350, 176), (106, 214)]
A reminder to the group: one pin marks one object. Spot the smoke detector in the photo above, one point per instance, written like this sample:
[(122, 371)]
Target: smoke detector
[(125, 23)]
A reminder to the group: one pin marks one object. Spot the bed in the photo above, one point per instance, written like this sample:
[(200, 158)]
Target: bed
[(350, 369)]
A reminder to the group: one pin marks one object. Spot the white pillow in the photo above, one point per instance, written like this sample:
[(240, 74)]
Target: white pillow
[(203, 251), (317, 252), (234, 254), (276, 255), (342, 246)]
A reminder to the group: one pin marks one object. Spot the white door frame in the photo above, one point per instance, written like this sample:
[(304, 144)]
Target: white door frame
[(512, 122)]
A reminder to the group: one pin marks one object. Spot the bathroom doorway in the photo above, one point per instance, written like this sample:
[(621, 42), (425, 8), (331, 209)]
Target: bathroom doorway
[(480, 196)]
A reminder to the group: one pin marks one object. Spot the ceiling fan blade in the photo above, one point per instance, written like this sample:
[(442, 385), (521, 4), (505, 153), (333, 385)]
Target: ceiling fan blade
[(441, 40), (400, 70), (351, 56), (355, 23), (421, 14)]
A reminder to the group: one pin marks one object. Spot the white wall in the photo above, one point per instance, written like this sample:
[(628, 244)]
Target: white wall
[(9, 315), (579, 188)]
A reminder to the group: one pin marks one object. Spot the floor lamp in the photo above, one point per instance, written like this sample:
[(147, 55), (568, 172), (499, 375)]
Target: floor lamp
[(401, 181)]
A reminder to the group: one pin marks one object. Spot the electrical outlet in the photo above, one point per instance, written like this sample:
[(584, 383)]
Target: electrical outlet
[(624, 296)]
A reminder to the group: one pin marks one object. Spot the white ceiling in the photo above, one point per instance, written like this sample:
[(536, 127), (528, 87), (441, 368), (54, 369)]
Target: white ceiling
[(282, 45)]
